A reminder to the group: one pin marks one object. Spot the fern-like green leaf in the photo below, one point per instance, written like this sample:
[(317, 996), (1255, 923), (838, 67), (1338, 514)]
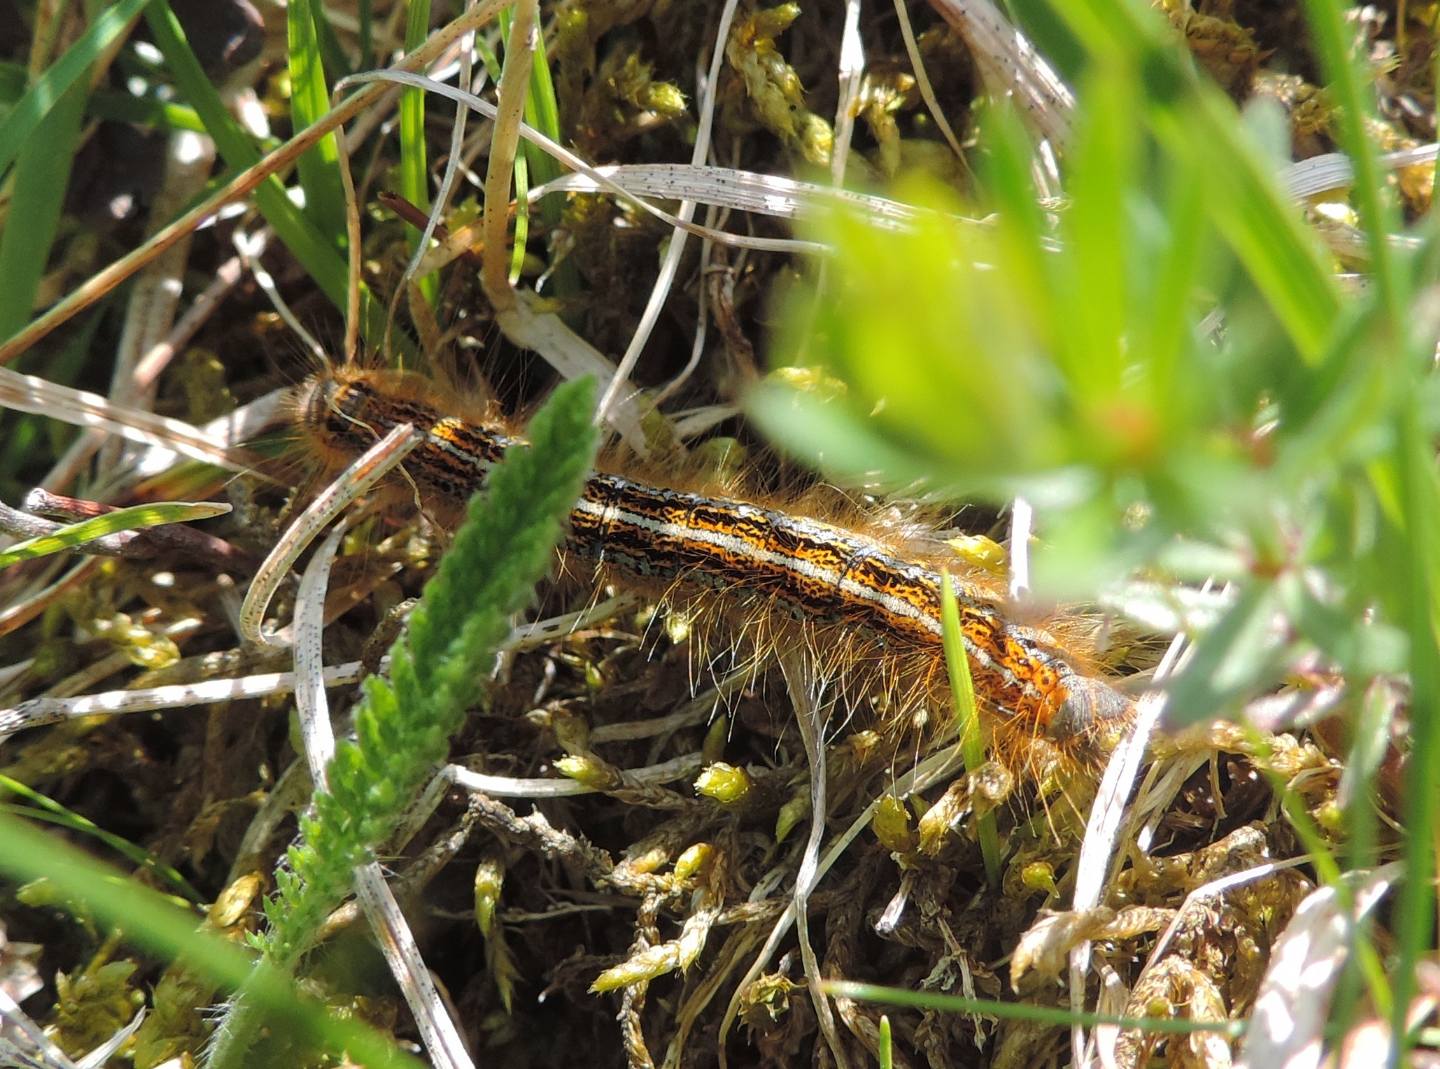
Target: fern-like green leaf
[(437, 667)]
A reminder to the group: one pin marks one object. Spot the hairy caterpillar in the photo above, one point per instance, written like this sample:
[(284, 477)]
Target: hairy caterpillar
[(855, 599)]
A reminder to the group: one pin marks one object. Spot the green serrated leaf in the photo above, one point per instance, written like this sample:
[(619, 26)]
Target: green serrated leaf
[(505, 545)]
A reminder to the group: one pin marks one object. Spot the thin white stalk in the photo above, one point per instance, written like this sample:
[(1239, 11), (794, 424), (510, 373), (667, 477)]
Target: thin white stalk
[(597, 175), (932, 769), (30, 393), (686, 214), (810, 716), (1102, 829), (370, 468)]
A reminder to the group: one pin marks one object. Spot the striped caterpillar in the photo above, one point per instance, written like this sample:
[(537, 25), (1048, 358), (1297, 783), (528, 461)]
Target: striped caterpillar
[(853, 598)]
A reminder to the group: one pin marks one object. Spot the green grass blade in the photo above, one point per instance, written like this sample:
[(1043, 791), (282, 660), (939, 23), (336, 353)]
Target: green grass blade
[(1096, 228), (132, 518), (1266, 232), (542, 111), (1020, 235), (1022, 1011), (144, 111), (1354, 100), (310, 247), (1233, 659), (967, 717), (309, 101), (13, 79), (367, 34), (150, 920), (414, 169), (534, 166), (22, 122), (522, 164), (522, 217), (337, 62), (1414, 547), (41, 175), (1175, 276), (47, 809), (1245, 200), (1363, 954)]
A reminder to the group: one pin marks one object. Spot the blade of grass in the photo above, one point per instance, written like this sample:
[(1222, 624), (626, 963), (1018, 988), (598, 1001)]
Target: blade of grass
[(126, 519), (1265, 230), (414, 169), (967, 716), (1414, 546), (1228, 660), (20, 124), (13, 78), (1418, 522), (522, 216), (1171, 298), (41, 176), (331, 50), (144, 111), (1354, 105), (542, 111), (151, 921), (535, 166), (109, 104), (309, 246), (45, 808), (1104, 156), (1328, 869), (1020, 233), (521, 170), (1245, 200), (367, 34), (241, 185), (1021, 1011), (309, 100)]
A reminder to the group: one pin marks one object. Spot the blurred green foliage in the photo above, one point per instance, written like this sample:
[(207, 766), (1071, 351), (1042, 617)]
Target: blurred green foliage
[(1165, 365), (1117, 362)]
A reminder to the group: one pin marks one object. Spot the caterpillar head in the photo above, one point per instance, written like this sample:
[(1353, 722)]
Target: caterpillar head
[(1092, 713)]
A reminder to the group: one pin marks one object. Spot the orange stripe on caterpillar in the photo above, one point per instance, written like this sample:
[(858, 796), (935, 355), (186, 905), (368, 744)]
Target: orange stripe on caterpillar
[(816, 571)]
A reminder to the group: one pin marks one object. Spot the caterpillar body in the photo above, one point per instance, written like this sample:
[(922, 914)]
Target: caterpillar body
[(855, 598)]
